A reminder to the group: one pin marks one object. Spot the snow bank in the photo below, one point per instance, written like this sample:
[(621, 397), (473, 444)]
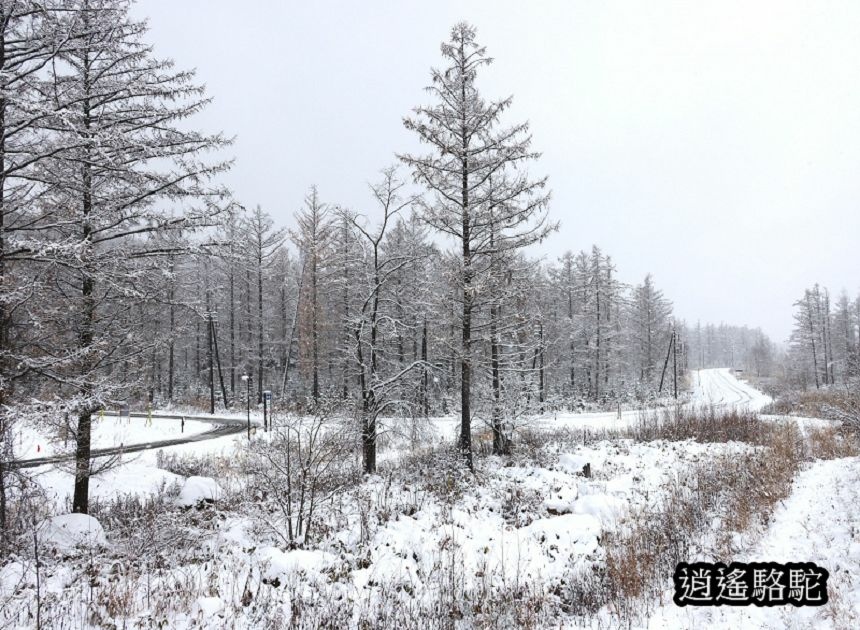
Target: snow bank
[(606, 508), (562, 500), (566, 536), (67, 531), (198, 489)]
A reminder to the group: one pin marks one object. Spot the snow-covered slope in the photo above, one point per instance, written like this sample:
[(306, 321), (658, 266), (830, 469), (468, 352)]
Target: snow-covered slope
[(820, 523)]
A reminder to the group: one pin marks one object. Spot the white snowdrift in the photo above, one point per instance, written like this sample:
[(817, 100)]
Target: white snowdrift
[(67, 531), (199, 489), (206, 607), (280, 564), (574, 464)]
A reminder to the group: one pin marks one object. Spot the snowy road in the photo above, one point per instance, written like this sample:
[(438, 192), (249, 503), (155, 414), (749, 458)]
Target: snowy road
[(719, 387), (140, 441), (715, 387)]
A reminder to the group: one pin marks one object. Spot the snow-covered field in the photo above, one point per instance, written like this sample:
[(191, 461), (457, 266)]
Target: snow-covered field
[(415, 536)]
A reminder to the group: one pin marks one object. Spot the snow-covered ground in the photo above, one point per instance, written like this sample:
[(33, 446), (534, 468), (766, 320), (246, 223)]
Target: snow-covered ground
[(139, 473), (534, 523), (818, 523)]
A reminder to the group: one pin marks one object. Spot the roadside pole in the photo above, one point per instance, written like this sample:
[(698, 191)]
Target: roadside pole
[(247, 378)]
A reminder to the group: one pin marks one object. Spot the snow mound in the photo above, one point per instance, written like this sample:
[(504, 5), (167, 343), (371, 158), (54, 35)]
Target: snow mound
[(67, 531), (198, 489), (206, 607), (279, 564), (572, 463), (566, 536), (562, 501), (607, 509)]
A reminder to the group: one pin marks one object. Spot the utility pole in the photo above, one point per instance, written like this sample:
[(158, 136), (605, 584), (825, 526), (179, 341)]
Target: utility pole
[(675, 361), (666, 362), (212, 320), (209, 358)]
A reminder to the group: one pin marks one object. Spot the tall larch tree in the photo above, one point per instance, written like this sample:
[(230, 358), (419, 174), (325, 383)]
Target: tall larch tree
[(476, 163), (135, 171)]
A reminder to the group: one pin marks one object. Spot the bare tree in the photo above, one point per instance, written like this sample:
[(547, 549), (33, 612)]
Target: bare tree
[(313, 237), (264, 243), (375, 383)]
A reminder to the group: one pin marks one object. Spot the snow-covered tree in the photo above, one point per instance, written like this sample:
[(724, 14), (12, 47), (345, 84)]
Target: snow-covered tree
[(477, 182), (314, 237), (264, 242), (650, 316), (134, 173), (375, 318)]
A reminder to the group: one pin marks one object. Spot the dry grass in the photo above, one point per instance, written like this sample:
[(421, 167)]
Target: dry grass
[(833, 403), (708, 425), (703, 509)]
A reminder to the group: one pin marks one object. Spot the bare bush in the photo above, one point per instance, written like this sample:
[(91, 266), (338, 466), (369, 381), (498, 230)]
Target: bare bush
[(703, 425), (188, 465), (305, 464)]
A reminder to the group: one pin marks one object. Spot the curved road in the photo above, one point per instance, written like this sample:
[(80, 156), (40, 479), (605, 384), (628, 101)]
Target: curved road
[(711, 387), (225, 427)]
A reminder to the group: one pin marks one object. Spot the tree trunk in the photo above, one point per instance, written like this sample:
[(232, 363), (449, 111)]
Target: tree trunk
[(315, 392), (424, 376), (3, 324), (80, 501), (466, 348), (232, 327), (812, 340), (500, 443), (171, 347), (260, 325)]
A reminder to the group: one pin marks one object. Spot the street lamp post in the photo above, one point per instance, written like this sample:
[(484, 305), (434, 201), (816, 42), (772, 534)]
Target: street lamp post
[(247, 378)]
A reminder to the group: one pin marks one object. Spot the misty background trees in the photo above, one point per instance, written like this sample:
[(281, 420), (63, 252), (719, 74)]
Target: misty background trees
[(825, 343)]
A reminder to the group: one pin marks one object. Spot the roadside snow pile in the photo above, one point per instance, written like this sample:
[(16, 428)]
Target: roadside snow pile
[(198, 490), (67, 531)]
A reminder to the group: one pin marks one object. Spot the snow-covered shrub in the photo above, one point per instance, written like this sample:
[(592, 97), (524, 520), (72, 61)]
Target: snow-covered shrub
[(189, 465), (307, 461), (701, 513)]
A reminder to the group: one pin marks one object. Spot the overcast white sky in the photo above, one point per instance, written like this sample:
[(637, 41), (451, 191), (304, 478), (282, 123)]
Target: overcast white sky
[(715, 144)]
